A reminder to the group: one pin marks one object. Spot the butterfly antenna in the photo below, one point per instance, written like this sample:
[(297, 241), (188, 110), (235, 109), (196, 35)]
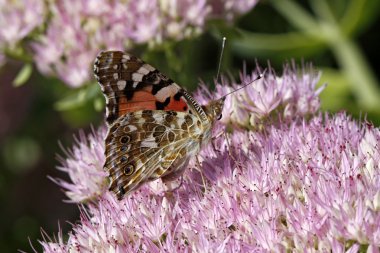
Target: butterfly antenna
[(245, 85), (220, 58)]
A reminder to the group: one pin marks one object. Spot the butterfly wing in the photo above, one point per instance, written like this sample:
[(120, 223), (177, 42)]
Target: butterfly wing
[(145, 145), (154, 124), (129, 84)]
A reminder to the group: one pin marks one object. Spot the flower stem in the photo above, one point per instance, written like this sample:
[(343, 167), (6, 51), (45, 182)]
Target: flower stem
[(354, 65), (347, 53)]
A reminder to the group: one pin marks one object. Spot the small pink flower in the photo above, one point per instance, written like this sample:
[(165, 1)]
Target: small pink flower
[(85, 168), (18, 19), (230, 8)]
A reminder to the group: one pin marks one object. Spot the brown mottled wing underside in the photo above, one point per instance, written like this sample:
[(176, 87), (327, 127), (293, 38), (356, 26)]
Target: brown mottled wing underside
[(145, 145), (129, 84)]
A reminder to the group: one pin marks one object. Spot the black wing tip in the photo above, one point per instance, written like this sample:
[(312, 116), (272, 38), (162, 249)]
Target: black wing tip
[(104, 58), (109, 54)]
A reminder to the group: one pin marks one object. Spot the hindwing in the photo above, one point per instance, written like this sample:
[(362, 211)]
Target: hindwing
[(145, 145)]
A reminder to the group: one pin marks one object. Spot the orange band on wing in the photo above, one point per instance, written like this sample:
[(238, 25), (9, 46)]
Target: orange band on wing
[(143, 100), (176, 105)]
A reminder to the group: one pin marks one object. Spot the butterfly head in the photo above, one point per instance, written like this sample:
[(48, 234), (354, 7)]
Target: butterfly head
[(214, 109)]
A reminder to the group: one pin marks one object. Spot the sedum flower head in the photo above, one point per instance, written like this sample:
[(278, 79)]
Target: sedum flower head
[(18, 19), (78, 28), (301, 185), (273, 100), (230, 8), (84, 165)]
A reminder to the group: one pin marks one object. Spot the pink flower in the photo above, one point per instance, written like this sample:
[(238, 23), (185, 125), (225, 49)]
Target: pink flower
[(78, 29), (18, 19), (230, 8), (85, 168), (300, 185), (270, 100)]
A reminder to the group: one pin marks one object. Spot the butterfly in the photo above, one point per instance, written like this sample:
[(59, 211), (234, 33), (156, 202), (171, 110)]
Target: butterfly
[(154, 125)]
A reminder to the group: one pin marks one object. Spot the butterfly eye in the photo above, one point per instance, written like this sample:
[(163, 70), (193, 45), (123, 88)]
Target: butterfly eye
[(128, 170), (219, 117)]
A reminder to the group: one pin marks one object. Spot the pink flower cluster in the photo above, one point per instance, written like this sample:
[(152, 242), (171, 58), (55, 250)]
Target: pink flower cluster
[(84, 165), (18, 19), (72, 32), (229, 8), (298, 185), (273, 100)]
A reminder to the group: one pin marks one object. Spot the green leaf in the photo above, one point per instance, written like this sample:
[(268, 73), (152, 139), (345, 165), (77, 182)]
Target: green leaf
[(99, 104), (297, 16), (23, 75), (285, 45), (359, 15), (78, 98), (337, 94)]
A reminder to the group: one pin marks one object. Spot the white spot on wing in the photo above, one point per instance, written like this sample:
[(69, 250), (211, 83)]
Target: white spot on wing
[(115, 76), (149, 67), (125, 58), (158, 118), (163, 94), (115, 66), (143, 70), (132, 128), (137, 77), (149, 144), (138, 165), (135, 84), (121, 84), (180, 121)]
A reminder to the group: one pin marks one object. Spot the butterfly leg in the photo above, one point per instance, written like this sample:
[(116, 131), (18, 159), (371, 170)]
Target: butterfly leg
[(178, 186), (230, 151), (214, 138), (200, 171), (214, 148), (173, 173)]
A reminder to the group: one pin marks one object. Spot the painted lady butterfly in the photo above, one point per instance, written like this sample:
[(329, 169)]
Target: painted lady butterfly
[(155, 126)]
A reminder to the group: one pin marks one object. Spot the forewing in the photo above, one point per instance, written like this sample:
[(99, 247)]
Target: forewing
[(129, 84), (143, 145)]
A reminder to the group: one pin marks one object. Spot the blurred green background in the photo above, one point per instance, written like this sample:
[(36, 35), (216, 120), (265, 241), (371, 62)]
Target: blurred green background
[(341, 38)]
